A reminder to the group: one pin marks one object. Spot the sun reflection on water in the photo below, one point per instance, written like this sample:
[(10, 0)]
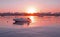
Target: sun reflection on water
[(32, 19)]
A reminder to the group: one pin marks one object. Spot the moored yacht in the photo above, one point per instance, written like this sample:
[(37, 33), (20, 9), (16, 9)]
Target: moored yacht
[(24, 20)]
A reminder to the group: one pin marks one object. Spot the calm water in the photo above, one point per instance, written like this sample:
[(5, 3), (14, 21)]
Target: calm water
[(48, 26)]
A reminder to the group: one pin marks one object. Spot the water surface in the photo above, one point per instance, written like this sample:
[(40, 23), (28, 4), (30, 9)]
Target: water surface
[(47, 26)]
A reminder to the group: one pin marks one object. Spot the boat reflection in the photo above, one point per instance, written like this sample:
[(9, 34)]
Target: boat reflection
[(21, 23)]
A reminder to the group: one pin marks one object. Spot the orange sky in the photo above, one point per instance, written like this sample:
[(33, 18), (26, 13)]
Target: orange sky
[(22, 5)]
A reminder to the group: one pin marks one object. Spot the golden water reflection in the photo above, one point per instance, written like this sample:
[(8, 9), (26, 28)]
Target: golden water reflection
[(32, 19)]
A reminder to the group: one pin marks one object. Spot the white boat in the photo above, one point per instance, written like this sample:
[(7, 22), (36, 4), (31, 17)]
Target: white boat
[(22, 20)]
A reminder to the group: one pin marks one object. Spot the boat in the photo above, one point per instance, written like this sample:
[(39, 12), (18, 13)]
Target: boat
[(22, 20)]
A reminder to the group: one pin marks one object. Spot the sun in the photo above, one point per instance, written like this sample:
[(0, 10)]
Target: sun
[(31, 10)]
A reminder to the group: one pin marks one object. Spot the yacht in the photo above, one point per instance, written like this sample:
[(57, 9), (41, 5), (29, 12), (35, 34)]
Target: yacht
[(24, 20)]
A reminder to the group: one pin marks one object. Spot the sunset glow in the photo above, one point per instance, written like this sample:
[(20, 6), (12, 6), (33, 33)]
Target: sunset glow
[(31, 10), (30, 5)]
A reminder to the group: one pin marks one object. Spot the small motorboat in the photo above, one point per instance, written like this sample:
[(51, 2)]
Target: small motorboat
[(22, 20)]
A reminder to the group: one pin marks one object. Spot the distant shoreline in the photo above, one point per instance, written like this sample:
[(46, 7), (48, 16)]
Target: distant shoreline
[(26, 14)]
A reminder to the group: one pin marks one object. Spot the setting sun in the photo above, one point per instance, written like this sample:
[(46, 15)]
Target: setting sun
[(31, 10)]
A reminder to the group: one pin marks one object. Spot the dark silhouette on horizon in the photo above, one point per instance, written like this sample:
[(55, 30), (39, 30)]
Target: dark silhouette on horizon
[(29, 14)]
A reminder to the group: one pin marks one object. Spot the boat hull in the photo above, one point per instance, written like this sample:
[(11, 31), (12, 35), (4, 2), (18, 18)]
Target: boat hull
[(21, 20)]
